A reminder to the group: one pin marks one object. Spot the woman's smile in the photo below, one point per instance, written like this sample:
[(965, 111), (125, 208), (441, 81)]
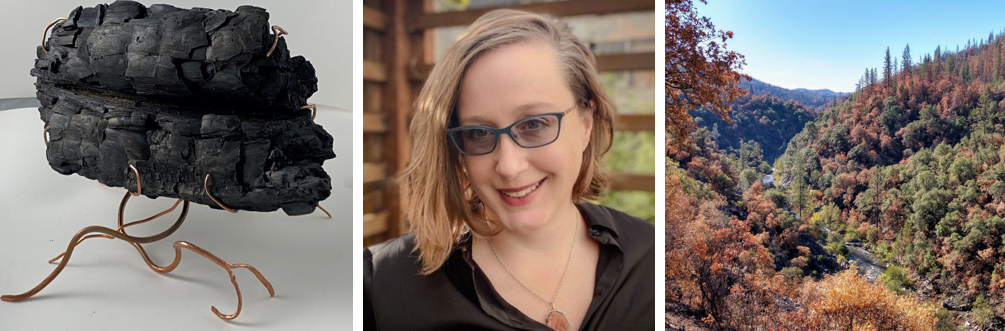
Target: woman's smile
[(520, 196), (518, 86)]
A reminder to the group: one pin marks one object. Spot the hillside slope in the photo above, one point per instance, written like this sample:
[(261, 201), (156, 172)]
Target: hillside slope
[(769, 121), (806, 97), (914, 167)]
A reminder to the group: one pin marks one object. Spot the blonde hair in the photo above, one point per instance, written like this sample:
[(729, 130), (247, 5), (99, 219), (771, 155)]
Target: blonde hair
[(437, 197)]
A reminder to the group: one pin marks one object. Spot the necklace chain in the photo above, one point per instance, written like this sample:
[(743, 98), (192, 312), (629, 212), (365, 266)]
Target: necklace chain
[(575, 236)]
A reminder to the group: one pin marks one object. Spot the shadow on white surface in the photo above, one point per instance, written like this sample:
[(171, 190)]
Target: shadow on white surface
[(14, 103)]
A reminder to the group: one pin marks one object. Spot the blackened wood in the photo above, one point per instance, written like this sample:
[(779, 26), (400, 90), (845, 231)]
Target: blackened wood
[(185, 56), (180, 94), (255, 163)]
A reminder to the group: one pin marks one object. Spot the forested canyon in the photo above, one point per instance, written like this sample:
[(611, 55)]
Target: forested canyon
[(907, 170)]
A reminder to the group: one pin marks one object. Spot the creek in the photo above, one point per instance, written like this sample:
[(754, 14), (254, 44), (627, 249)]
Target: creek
[(769, 179), (868, 264)]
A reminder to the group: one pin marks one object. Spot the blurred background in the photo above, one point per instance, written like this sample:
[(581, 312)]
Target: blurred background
[(402, 41)]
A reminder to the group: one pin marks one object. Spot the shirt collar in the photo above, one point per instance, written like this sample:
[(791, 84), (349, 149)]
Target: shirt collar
[(602, 228), (598, 218)]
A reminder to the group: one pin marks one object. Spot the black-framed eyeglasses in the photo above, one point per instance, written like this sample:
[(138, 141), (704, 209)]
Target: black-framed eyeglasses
[(529, 132)]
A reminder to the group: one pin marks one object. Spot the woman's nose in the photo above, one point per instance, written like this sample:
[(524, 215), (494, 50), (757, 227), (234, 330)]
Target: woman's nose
[(511, 159)]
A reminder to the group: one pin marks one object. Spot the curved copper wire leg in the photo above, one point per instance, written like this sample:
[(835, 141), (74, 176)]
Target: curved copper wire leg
[(122, 206), (99, 229), (122, 226), (178, 245), (46, 31), (205, 188), (326, 212), (278, 31), (121, 234), (313, 108)]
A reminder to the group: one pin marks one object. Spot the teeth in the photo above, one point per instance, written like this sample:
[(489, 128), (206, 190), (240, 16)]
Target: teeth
[(523, 193)]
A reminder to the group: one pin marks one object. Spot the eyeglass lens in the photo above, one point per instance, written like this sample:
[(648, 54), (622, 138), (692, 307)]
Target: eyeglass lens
[(535, 131)]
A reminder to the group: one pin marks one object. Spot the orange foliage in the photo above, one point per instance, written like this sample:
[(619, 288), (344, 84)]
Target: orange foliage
[(804, 251), (706, 254), (863, 229), (849, 301), (680, 209), (699, 71), (760, 211)]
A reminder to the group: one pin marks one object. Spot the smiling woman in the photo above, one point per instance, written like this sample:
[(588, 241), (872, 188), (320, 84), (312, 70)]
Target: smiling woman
[(508, 137)]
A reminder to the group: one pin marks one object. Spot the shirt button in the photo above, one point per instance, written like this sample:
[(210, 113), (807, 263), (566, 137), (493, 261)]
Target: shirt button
[(594, 232)]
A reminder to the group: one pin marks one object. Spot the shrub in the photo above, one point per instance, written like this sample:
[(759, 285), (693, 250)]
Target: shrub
[(895, 279)]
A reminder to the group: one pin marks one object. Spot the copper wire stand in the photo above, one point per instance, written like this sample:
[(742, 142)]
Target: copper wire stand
[(97, 231), (120, 233)]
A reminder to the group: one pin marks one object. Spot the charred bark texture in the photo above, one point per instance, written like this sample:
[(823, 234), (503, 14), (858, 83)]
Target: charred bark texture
[(212, 57), (180, 94)]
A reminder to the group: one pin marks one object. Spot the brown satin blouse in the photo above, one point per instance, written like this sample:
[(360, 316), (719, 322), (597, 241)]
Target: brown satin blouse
[(459, 296)]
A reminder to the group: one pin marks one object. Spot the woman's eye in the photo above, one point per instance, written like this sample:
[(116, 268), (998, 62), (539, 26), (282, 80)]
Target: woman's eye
[(478, 133), (536, 123)]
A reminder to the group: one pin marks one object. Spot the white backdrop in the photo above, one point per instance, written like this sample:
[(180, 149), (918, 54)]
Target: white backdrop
[(321, 31), (106, 285)]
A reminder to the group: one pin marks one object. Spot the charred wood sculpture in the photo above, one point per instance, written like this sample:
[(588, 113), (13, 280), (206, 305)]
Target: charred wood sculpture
[(196, 104), (180, 94)]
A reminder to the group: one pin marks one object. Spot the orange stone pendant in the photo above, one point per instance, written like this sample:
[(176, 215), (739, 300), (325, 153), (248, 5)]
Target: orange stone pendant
[(556, 320)]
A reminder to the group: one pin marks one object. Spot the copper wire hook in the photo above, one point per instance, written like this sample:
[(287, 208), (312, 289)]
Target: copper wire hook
[(313, 108), (205, 188), (178, 245), (139, 184), (275, 41), (46, 31), (45, 135), (326, 212)]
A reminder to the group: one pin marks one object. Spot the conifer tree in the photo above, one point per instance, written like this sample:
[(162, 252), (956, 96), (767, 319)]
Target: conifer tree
[(938, 57), (907, 59), (865, 79), (887, 69), (997, 79)]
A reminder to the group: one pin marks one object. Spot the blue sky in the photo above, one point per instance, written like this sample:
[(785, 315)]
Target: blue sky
[(828, 44)]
